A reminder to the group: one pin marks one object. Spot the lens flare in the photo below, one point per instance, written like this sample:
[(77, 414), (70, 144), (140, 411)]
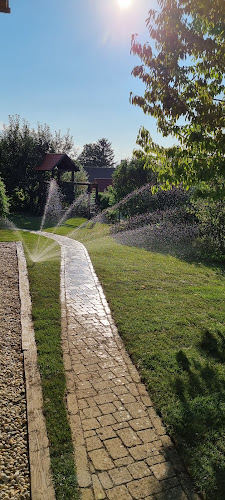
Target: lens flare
[(124, 4)]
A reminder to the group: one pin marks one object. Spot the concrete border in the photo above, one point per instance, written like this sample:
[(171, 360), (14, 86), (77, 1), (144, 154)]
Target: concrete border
[(39, 457)]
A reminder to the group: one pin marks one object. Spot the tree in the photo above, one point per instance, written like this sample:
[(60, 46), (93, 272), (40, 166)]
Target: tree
[(129, 176), (183, 70), (4, 201), (99, 154), (21, 149)]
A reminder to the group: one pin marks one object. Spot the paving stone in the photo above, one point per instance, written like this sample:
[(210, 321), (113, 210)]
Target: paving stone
[(163, 470), (107, 408), (139, 470), (106, 433), (76, 430), (105, 420), (119, 462), (167, 443), (122, 416), (84, 385), (107, 384), (142, 389), (91, 402), (120, 381), (119, 493), (147, 436), (127, 398), (101, 459), (140, 452), (90, 423), (141, 423), (92, 412), (159, 426), (86, 494), (89, 433), (93, 443), (97, 487), (82, 403), (169, 483), (141, 488), (129, 437), (135, 410), (105, 480), (121, 389), (119, 406), (156, 459), (107, 375), (120, 425), (104, 398), (132, 388), (83, 473), (120, 475), (115, 448)]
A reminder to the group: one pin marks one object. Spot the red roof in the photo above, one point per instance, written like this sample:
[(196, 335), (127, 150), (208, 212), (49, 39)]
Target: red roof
[(103, 183), (52, 160)]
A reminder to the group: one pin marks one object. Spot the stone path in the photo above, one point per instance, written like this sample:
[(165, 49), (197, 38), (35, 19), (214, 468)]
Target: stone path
[(121, 447)]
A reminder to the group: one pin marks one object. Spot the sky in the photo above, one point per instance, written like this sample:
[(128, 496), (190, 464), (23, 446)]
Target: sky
[(68, 64)]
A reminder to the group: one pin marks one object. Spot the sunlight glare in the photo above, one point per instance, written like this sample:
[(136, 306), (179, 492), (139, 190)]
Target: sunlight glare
[(124, 4)]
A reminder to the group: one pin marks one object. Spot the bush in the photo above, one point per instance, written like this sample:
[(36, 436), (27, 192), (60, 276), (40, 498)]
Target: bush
[(211, 218), (4, 200)]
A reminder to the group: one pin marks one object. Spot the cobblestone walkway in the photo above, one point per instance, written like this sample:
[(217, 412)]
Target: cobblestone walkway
[(121, 447)]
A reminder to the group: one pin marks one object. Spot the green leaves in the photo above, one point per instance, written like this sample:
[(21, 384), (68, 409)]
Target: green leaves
[(187, 100)]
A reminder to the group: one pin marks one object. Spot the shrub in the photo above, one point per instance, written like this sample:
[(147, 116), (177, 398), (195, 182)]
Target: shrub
[(4, 200), (211, 218)]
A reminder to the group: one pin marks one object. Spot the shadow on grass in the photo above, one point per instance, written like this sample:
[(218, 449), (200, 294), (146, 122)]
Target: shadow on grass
[(26, 221), (213, 343), (198, 422)]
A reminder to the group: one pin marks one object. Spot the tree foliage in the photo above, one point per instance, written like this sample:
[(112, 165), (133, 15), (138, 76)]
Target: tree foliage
[(98, 154), (21, 149), (4, 201), (129, 176), (183, 69)]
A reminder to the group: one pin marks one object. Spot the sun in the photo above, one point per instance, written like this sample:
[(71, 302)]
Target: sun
[(124, 4)]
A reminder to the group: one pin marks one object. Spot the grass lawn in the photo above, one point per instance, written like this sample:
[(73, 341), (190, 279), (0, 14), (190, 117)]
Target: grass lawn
[(44, 286), (171, 316)]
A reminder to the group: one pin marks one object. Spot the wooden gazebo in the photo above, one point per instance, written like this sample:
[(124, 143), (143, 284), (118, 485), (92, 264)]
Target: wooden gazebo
[(4, 6), (57, 163)]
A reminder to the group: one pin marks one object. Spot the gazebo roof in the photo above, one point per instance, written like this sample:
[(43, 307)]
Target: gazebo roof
[(4, 6), (59, 160)]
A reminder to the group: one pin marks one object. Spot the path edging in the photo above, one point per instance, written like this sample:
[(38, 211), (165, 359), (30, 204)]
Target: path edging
[(39, 457)]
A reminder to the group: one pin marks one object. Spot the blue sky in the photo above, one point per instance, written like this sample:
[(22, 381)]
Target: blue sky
[(67, 63)]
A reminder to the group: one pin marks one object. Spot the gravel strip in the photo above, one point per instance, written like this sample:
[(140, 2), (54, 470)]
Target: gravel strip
[(14, 466)]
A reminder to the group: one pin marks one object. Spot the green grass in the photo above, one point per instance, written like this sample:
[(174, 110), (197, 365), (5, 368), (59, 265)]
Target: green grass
[(33, 223), (68, 227), (171, 316), (44, 280)]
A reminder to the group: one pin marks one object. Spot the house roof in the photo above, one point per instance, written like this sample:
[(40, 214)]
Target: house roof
[(99, 173), (103, 183), (60, 160)]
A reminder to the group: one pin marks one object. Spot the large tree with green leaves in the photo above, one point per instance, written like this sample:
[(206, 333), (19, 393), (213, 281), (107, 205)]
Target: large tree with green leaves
[(183, 69), (21, 149), (97, 154)]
